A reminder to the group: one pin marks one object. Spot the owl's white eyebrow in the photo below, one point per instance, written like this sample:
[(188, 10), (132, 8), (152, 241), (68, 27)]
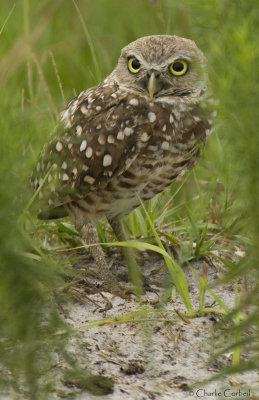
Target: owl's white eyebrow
[(139, 58), (176, 57)]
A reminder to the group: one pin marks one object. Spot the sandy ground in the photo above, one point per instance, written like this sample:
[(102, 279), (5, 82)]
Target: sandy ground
[(154, 359), (161, 356)]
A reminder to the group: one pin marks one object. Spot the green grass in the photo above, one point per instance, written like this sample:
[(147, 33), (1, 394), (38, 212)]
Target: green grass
[(49, 52)]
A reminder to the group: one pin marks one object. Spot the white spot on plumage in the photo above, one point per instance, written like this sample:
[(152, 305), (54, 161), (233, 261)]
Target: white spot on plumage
[(68, 124), (78, 130), (99, 126), (128, 131), (151, 116), (120, 135), (144, 137), (64, 115), (107, 160), (89, 152), (133, 102), (171, 119), (65, 177), (89, 179), (167, 137), (164, 128), (101, 139), (64, 165), (83, 145), (59, 146), (74, 171), (111, 139), (196, 118), (98, 108), (70, 145), (114, 95), (73, 107), (165, 145), (84, 109), (81, 94)]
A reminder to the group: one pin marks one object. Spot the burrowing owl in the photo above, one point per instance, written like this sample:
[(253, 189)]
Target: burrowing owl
[(133, 133)]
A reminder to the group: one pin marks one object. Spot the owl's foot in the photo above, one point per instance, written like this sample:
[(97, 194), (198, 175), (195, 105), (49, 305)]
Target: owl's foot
[(108, 282), (103, 280)]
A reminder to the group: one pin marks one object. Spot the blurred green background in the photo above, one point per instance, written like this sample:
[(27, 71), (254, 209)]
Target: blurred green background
[(85, 38)]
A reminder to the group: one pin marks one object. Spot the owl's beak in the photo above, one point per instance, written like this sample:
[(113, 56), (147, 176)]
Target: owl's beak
[(151, 85)]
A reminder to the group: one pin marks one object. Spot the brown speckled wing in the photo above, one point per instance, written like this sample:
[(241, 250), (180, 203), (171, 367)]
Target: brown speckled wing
[(96, 136)]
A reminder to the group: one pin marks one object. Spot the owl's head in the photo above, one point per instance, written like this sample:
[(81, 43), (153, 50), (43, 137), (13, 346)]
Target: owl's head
[(162, 66)]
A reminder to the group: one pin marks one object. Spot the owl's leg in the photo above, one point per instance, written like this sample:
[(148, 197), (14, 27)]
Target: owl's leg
[(128, 253), (89, 237)]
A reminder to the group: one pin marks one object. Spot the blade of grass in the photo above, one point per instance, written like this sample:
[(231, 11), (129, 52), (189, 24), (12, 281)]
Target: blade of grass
[(35, 194), (203, 282), (45, 85), (142, 225), (129, 318), (201, 240), (200, 196), (169, 236), (7, 18), (191, 218), (98, 72), (58, 77), (237, 335), (175, 270)]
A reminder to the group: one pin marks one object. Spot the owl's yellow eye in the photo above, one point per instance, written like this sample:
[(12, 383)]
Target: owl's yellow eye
[(134, 65), (178, 67)]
